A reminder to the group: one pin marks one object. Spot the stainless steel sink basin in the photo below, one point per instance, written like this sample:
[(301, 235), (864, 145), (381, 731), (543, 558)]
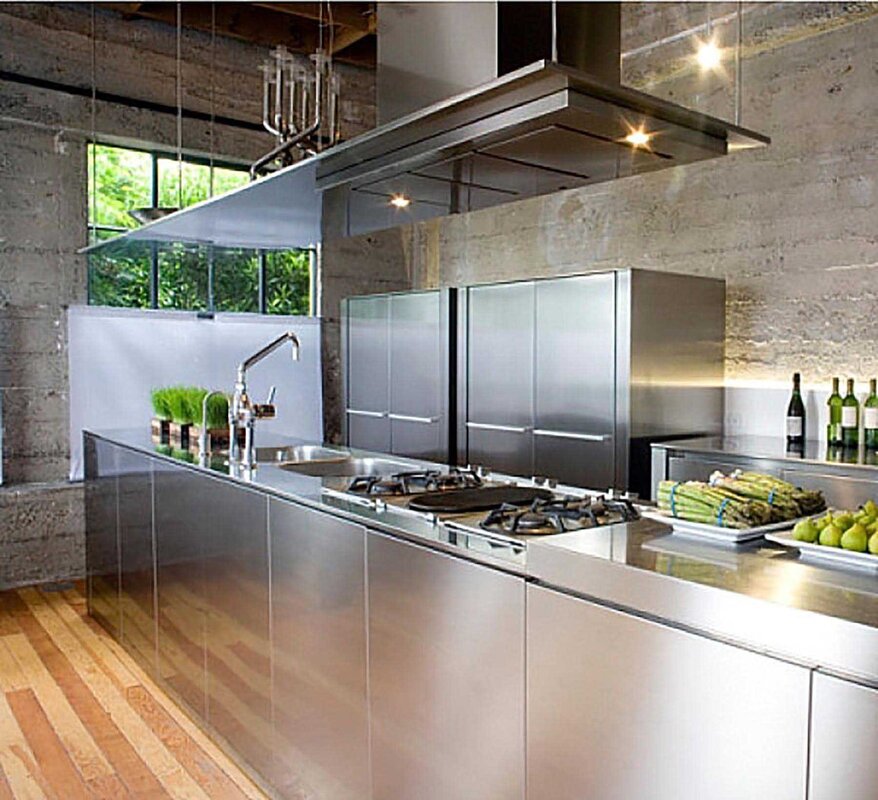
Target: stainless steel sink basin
[(300, 454), (347, 467)]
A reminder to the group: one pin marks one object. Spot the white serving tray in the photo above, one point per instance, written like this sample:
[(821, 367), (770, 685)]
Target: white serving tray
[(830, 556), (717, 533)]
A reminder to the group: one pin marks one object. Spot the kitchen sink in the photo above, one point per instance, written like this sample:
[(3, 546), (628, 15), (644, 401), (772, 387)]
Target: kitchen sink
[(347, 467), (300, 454)]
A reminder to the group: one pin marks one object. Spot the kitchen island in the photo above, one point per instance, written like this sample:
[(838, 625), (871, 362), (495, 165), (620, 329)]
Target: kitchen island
[(342, 650)]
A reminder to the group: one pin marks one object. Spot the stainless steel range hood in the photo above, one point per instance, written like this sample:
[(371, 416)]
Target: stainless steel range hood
[(541, 128)]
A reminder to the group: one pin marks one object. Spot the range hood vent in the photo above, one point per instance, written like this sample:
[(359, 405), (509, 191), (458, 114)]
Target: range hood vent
[(541, 128)]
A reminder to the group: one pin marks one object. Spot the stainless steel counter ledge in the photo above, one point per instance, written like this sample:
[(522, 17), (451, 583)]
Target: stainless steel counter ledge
[(757, 596)]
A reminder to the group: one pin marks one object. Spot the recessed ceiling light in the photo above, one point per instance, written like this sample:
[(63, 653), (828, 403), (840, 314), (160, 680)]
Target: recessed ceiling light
[(399, 201), (708, 55), (638, 138)]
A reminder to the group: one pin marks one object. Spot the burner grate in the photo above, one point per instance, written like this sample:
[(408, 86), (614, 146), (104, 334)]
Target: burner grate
[(402, 484), (560, 515)]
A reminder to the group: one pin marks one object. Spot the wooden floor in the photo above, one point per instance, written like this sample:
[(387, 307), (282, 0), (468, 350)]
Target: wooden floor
[(79, 719)]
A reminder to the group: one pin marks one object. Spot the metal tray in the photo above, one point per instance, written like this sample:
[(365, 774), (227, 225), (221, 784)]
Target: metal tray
[(717, 533), (831, 556)]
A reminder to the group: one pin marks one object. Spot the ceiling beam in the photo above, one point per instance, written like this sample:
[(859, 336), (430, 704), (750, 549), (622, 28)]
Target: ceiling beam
[(242, 21), (349, 15), (348, 36)]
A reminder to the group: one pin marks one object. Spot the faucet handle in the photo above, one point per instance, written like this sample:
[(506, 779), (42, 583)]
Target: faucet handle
[(271, 393)]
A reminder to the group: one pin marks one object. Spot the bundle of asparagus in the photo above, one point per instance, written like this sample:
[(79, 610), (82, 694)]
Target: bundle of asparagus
[(713, 505), (786, 501)]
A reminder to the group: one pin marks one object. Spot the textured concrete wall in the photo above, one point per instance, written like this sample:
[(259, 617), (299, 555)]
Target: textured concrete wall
[(791, 228), (43, 215)]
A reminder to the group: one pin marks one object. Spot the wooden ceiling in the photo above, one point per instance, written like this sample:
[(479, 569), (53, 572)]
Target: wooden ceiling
[(296, 25)]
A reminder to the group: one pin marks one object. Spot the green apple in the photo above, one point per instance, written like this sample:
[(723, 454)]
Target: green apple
[(855, 538), (806, 531), (831, 535)]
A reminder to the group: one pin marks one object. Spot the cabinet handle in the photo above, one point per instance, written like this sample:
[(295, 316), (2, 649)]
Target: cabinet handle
[(407, 418), (584, 437), (490, 426), (360, 413)]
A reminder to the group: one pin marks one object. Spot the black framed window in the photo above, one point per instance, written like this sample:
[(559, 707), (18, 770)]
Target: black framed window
[(178, 276)]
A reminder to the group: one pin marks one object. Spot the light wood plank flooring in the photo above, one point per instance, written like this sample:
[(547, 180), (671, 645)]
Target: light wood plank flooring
[(79, 719)]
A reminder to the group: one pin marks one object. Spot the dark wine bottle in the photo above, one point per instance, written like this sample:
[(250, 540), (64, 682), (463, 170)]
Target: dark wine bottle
[(796, 414)]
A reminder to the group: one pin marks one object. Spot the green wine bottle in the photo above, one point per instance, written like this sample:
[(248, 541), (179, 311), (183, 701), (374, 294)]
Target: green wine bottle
[(850, 417), (833, 429), (870, 418)]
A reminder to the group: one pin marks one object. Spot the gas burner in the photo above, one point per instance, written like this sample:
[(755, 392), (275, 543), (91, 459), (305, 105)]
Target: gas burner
[(559, 515), (402, 484)]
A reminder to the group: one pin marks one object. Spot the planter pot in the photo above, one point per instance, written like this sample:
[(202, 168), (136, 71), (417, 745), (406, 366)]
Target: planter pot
[(217, 438), (161, 430), (181, 436)]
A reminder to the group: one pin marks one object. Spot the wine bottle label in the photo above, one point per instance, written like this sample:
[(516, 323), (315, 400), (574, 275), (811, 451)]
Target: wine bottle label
[(870, 418), (794, 426), (849, 417)]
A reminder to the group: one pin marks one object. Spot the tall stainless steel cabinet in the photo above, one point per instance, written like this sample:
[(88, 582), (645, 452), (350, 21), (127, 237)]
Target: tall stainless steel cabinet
[(397, 367), (573, 378)]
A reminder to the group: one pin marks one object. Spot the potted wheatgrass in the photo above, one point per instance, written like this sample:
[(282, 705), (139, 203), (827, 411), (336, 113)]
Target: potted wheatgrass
[(177, 417)]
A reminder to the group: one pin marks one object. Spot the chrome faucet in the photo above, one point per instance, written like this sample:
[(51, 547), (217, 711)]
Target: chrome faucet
[(203, 437), (243, 413)]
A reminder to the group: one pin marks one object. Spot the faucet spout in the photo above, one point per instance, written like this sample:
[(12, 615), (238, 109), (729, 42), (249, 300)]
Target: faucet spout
[(247, 363)]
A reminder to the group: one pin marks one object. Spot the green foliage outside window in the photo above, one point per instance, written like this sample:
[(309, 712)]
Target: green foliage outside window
[(121, 179)]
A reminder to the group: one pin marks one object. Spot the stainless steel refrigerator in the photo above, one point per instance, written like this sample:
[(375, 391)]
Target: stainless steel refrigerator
[(398, 373), (573, 378)]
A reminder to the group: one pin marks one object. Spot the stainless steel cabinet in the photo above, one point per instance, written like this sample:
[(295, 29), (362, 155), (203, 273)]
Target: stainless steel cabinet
[(179, 542), (700, 469), (368, 373), (397, 371), (318, 599), (575, 380), (446, 671), (499, 377), (233, 528), (620, 707), (102, 541), (841, 491), (136, 557), (844, 730)]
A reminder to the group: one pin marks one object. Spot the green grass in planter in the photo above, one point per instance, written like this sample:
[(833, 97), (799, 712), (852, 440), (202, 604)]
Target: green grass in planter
[(217, 412), (160, 404), (178, 404)]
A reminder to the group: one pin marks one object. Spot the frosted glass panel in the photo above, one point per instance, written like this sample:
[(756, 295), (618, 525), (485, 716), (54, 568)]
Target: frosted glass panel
[(118, 355)]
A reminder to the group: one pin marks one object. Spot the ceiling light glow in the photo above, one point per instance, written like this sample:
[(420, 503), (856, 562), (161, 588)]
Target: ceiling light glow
[(400, 201), (638, 138), (708, 55)]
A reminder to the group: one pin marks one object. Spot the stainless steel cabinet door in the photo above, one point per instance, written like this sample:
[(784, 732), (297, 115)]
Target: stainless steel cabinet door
[(500, 344), (844, 730), (318, 600), (840, 491), (368, 377), (101, 533), (446, 670), (180, 527), (233, 526), (418, 367), (137, 570), (575, 378), (620, 708)]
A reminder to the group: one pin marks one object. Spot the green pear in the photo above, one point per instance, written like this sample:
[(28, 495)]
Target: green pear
[(806, 531), (823, 521), (873, 544), (871, 508), (855, 538), (843, 520), (831, 535)]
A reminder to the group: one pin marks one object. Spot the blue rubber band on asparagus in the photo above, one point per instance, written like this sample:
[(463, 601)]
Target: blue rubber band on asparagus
[(673, 499), (722, 507), (771, 497)]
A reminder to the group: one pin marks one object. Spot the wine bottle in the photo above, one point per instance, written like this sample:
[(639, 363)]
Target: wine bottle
[(870, 418), (850, 417), (833, 429), (796, 414)]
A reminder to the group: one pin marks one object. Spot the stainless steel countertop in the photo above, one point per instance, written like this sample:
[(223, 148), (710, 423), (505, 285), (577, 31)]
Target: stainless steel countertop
[(759, 595), (775, 449)]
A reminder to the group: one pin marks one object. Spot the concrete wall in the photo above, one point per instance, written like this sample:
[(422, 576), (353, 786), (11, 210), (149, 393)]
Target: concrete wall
[(791, 228), (43, 215)]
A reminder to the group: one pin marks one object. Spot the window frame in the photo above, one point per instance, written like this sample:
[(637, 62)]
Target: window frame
[(157, 155)]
